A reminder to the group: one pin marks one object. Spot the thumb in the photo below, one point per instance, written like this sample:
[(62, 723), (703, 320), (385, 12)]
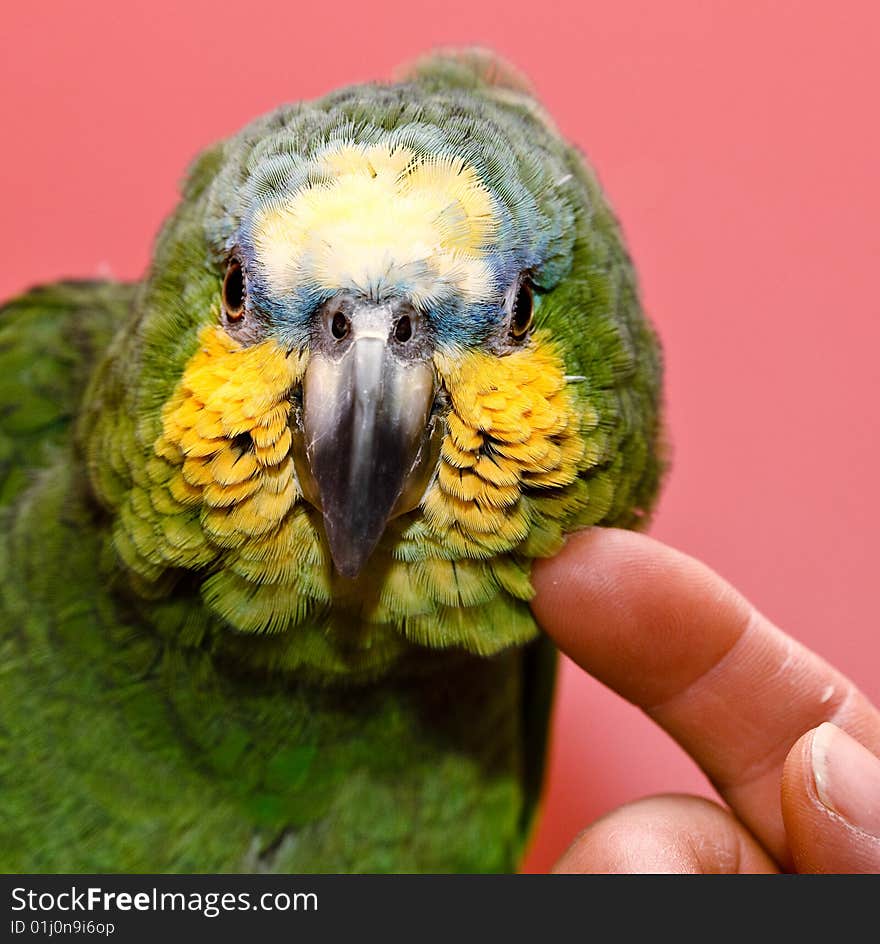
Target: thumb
[(831, 803)]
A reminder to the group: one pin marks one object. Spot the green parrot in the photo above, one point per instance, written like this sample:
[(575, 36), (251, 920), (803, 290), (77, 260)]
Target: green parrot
[(269, 514)]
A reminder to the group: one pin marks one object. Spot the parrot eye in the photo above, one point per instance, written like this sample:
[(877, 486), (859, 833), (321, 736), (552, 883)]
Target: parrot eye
[(522, 310), (234, 291)]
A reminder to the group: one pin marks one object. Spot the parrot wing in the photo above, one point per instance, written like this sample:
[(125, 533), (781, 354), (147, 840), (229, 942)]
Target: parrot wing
[(50, 338)]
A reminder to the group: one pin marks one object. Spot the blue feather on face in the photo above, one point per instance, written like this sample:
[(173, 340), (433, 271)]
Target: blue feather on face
[(319, 243)]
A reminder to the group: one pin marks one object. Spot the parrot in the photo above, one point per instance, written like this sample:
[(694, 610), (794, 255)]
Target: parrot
[(269, 514)]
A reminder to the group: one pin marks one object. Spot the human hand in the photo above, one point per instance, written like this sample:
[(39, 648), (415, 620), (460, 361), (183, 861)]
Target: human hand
[(747, 702)]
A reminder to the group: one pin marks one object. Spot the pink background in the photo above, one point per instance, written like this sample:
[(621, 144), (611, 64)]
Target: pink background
[(739, 142)]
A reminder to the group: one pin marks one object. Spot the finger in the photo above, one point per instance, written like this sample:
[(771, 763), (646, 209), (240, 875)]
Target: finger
[(670, 834), (831, 803), (670, 635)]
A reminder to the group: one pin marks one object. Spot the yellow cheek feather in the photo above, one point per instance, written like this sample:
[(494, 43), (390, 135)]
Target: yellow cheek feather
[(513, 430), (382, 216), (226, 431), (221, 476)]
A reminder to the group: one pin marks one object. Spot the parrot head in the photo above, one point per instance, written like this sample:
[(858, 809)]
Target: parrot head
[(386, 265), (388, 352)]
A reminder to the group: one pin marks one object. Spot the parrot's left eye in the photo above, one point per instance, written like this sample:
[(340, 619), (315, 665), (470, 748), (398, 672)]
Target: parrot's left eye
[(522, 310), (234, 291)]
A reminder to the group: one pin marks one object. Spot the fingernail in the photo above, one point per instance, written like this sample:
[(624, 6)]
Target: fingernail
[(847, 777)]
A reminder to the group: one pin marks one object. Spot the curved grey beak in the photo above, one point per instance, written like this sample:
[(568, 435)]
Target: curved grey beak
[(366, 454)]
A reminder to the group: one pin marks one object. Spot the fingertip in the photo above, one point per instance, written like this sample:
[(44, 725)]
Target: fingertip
[(640, 616), (666, 834), (831, 803), (593, 551)]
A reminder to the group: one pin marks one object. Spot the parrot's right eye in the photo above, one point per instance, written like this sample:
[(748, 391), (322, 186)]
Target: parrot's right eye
[(234, 291)]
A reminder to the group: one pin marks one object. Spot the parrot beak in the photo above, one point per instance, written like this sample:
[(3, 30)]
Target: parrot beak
[(369, 444)]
